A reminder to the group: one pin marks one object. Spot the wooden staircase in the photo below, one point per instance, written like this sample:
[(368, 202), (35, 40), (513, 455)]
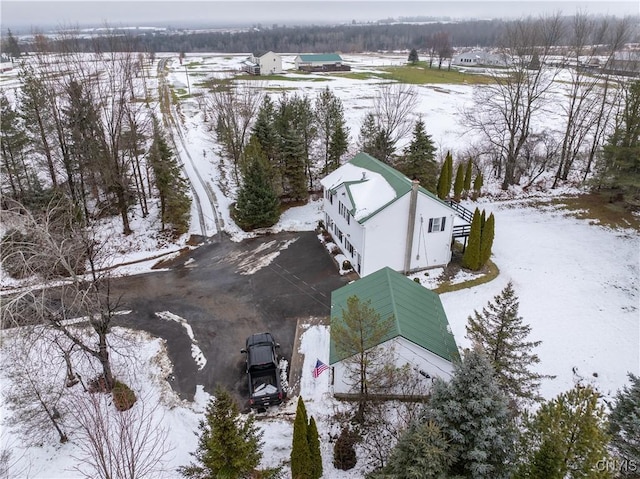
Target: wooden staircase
[(461, 231)]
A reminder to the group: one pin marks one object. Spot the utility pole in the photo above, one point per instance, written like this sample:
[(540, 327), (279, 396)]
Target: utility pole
[(186, 72)]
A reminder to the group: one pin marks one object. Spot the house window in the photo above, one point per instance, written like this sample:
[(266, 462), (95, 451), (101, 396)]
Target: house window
[(437, 224), (348, 246)]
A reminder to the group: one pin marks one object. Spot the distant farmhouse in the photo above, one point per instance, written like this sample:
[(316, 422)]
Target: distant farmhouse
[(328, 62), (479, 58), (266, 64), (378, 217), (420, 336)]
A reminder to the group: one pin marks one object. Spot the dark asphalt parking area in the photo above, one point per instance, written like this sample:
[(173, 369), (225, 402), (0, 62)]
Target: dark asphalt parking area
[(287, 276)]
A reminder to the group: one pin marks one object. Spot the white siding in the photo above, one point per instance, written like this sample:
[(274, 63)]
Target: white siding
[(431, 249), (404, 352), (270, 63)]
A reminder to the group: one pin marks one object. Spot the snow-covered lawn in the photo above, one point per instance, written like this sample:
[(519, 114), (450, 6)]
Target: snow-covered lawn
[(577, 283)]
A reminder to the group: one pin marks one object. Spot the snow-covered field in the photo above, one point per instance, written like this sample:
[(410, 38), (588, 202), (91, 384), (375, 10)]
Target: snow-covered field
[(578, 283)]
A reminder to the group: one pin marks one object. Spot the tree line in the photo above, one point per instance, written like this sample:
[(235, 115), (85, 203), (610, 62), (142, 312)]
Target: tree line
[(81, 129)]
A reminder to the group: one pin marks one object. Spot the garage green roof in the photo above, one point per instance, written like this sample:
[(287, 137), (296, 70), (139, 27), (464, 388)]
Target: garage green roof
[(325, 57), (418, 315)]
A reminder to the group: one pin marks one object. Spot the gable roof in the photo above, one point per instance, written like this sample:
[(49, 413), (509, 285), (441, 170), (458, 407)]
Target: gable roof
[(355, 179), (325, 57), (418, 313)]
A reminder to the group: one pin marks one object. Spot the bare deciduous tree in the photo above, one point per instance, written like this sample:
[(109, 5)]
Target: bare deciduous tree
[(131, 444), (56, 253), (587, 107), (36, 394), (233, 111), (504, 109), (394, 106)]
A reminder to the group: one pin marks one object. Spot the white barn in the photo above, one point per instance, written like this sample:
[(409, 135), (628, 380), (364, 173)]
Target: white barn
[(420, 336), (266, 64), (378, 217)]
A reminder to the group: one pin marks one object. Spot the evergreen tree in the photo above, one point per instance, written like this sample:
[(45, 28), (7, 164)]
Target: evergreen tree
[(478, 182), (413, 56), (368, 134), (458, 185), (449, 179), (332, 129), (175, 203), (486, 239), (344, 452), (422, 452), (13, 145), (471, 256), (620, 165), (501, 333), (229, 446), (10, 46), (293, 150), (566, 438), (624, 424), (338, 144), (375, 140), (257, 205), (419, 158), (301, 461), (265, 132), (446, 174), (467, 178), (314, 449), (472, 413)]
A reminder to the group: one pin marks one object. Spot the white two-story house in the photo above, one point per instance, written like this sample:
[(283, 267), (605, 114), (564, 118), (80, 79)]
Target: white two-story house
[(378, 217)]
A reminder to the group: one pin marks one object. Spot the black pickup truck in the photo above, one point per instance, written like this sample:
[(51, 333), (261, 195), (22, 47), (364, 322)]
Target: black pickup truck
[(263, 371)]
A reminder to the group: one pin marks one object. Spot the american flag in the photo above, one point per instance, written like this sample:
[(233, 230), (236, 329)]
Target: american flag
[(319, 369)]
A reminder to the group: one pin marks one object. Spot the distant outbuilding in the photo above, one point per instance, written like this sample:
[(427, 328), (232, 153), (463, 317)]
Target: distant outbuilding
[(320, 62)]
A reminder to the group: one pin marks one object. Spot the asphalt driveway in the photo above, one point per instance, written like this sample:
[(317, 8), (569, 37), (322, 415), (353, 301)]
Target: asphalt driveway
[(227, 291)]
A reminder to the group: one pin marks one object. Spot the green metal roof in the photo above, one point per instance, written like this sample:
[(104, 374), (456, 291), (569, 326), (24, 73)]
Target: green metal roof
[(325, 57), (418, 313), (400, 183)]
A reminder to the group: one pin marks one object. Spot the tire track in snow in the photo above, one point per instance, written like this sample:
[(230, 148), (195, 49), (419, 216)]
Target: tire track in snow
[(206, 209)]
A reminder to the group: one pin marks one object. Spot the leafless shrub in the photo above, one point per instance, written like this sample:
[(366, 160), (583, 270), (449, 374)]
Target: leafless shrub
[(130, 444)]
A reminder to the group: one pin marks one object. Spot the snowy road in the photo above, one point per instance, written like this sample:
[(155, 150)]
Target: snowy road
[(203, 196)]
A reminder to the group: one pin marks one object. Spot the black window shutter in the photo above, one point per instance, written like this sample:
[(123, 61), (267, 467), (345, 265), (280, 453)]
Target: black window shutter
[(430, 224), (444, 218)]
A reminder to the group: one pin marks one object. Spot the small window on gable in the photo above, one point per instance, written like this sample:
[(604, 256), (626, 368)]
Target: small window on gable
[(437, 224)]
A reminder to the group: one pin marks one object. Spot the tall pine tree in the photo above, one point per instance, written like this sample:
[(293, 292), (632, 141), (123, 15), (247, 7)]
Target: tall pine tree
[(566, 438), (175, 203), (419, 158), (257, 205), (229, 445), (624, 425), (471, 256), (472, 413), (501, 333)]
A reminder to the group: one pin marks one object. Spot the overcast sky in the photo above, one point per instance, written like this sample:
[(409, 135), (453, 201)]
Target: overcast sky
[(28, 14)]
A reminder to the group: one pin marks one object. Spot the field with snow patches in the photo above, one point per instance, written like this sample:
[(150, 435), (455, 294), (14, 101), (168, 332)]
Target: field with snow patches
[(578, 283)]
